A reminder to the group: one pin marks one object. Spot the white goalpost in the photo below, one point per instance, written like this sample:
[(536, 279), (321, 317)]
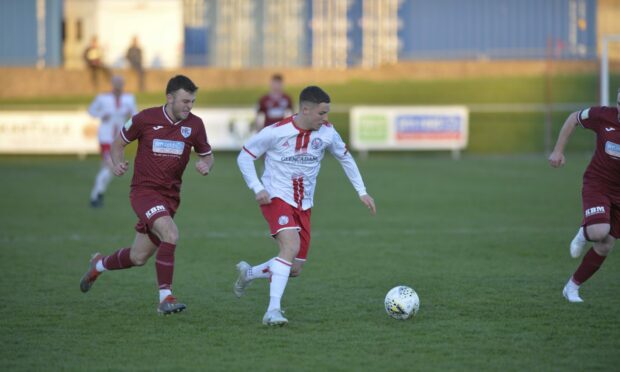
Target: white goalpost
[(604, 94)]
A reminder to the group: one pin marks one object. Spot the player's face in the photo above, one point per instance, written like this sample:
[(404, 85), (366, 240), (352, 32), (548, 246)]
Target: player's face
[(276, 86), (181, 103), (316, 115), (117, 85)]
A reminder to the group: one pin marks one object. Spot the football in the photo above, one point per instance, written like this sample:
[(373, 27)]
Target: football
[(402, 302)]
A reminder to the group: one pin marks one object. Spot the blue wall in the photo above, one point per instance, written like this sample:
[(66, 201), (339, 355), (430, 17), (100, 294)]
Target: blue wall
[(459, 29), (495, 28), (18, 33)]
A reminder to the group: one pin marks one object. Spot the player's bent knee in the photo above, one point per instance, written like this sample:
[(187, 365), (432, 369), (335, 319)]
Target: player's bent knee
[(291, 250), (605, 247), (598, 233), (167, 231), (172, 236)]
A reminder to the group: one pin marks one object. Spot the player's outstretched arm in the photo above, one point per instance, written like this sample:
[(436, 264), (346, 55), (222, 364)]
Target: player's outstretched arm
[(557, 159), (204, 164), (369, 202), (119, 164)]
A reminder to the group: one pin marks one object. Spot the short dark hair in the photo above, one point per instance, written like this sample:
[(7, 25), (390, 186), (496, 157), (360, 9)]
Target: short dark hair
[(277, 77), (180, 82), (313, 94)]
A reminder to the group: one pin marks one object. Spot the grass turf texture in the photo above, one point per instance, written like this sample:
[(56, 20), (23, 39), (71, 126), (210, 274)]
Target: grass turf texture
[(483, 240)]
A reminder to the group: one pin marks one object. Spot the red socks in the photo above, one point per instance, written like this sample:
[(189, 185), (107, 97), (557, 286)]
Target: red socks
[(164, 265), (118, 260), (590, 264)]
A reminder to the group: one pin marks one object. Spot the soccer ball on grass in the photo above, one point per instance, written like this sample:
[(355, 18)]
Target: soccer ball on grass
[(402, 302)]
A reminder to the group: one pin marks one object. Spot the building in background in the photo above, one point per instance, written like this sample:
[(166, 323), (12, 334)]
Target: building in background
[(497, 29), (158, 24), (297, 33), (31, 33), (370, 33)]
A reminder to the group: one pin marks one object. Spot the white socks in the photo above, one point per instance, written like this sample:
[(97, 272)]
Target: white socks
[(163, 293), (99, 267), (101, 182), (259, 271), (280, 271), (572, 285)]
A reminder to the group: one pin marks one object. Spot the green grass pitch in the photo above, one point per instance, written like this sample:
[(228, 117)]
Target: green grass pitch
[(483, 240)]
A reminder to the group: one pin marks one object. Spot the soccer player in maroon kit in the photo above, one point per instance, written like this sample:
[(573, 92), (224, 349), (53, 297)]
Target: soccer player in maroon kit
[(165, 135), (275, 105), (600, 193)]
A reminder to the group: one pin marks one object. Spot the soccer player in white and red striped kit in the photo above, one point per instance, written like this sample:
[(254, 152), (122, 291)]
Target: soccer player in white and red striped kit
[(600, 193), (113, 108), (166, 136), (293, 149)]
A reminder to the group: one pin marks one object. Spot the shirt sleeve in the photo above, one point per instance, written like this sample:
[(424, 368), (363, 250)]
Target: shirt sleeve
[(245, 161), (259, 143), (132, 129), (134, 107), (253, 149), (340, 151), (201, 141), (95, 109), (590, 118), (261, 109), (290, 103)]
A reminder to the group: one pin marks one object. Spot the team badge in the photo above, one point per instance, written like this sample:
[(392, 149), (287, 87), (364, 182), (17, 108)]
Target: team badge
[(317, 143), (283, 220), (186, 131)]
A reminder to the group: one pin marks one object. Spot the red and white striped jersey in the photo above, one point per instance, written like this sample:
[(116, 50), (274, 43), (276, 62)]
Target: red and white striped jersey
[(293, 160), (115, 111)]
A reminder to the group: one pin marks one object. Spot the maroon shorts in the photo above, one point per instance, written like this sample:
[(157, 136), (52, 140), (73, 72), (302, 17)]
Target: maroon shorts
[(282, 216), (150, 205), (601, 205)]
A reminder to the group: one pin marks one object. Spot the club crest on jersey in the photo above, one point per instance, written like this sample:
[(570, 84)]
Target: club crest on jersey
[(186, 131), (283, 220), (317, 143)]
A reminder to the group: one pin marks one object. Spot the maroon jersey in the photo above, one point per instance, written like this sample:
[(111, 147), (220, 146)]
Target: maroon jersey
[(164, 147), (605, 164), (274, 108)]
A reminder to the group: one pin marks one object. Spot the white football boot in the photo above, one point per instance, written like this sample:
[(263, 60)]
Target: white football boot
[(571, 292), (242, 280), (274, 317), (578, 244)]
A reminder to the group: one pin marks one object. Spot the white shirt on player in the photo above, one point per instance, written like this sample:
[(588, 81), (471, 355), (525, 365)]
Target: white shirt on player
[(293, 160), (116, 112)]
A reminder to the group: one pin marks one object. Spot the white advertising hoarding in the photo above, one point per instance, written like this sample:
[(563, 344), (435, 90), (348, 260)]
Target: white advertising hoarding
[(409, 127), (75, 132), (48, 132), (227, 129)]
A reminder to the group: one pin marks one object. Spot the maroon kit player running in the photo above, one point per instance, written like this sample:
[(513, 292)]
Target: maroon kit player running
[(600, 192), (275, 105), (165, 135)]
